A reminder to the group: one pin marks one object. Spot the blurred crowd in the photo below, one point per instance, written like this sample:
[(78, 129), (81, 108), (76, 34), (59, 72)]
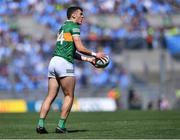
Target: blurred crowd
[(24, 59)]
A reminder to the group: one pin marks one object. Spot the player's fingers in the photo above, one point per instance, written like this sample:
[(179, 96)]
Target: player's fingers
[(93, 61), (100, 55), (105, 59)]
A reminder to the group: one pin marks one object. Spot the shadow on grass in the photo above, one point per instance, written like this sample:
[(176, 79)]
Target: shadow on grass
[(72, 131), (77, 130)]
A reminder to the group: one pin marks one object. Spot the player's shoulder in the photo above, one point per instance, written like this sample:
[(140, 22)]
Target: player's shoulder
[(72, 27)]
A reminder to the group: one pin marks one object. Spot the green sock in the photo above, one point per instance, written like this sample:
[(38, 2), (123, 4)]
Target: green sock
[(62, 123), (41, 122)]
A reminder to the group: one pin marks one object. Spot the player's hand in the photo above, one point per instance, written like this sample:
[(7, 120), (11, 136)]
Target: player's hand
[(93, 60), (89, 59), (100, 54)]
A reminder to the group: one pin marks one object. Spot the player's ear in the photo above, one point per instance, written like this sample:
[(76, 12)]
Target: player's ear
[(73, 15)]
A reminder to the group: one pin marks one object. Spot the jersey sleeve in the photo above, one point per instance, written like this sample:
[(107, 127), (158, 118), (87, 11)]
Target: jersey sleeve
[(75, 31)]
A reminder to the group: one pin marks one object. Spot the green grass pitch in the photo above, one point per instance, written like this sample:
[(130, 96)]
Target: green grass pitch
[(95, 125)]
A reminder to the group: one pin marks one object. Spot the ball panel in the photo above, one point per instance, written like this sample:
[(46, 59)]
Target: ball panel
[(102, 62)]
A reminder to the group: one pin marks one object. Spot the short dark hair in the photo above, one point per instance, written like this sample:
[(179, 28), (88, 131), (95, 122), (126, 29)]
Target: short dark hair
[(72, 9)]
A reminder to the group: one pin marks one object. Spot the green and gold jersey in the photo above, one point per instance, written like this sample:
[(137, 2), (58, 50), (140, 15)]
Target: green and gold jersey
[(65, 46)]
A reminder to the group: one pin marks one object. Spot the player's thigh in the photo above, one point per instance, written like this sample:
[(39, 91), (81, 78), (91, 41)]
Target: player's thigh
[(68, 85), (53, 87)]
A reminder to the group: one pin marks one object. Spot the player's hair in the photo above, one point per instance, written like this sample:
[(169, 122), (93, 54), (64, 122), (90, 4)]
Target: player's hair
[(72, 9)]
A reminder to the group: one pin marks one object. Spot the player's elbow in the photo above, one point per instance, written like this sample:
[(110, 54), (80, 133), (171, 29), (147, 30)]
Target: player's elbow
[(78, 49)]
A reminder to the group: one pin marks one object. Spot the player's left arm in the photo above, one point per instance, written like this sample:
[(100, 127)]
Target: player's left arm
[(82, 49), (75, 31)]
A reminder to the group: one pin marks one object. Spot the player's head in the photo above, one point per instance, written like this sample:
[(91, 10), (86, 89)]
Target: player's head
[(75, 13)]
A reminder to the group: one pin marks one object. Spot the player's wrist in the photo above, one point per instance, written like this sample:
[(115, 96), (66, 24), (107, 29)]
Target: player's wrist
[(83, 58), (94, 54)]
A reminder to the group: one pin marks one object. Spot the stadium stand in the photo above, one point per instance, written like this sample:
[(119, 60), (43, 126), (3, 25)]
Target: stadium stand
[(28, 31)]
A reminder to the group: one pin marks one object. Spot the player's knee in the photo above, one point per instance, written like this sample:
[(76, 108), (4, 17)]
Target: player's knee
[(70, 96), (69, 93)]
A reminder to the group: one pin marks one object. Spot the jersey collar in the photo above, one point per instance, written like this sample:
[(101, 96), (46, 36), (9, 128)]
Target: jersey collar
[(70, 21)]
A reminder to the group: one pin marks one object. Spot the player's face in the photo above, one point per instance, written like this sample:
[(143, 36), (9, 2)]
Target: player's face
[(79, 17)]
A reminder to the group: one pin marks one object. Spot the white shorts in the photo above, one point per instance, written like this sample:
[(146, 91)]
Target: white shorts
[(59, 67)]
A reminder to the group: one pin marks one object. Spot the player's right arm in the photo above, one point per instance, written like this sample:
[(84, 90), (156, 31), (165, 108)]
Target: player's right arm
[(84, 58), (80, 47)]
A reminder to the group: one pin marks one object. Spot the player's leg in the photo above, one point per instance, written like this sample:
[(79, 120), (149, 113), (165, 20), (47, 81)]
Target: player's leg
[(53, 88), (68, 86)]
